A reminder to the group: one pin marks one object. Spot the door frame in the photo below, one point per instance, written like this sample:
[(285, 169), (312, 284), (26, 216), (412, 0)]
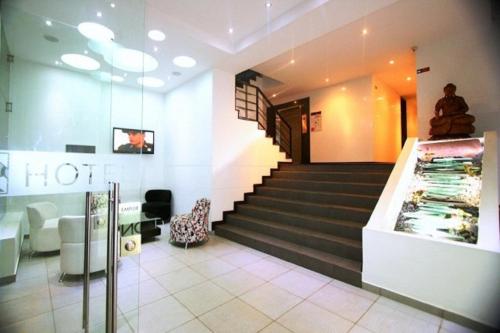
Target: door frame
[(303, 105)]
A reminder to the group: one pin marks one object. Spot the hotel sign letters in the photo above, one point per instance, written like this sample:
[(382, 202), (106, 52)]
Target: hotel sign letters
[(34, 173)]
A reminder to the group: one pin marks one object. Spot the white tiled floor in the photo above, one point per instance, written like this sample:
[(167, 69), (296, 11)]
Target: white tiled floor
[(218, 287)]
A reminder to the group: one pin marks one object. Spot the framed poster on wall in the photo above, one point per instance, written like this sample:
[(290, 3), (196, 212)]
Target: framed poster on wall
[(316, 121)]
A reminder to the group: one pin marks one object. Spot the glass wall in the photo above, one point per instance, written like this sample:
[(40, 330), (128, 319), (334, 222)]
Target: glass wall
[(71, 76)]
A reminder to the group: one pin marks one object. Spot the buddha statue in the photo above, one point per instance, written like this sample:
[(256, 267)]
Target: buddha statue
[(450, 120)]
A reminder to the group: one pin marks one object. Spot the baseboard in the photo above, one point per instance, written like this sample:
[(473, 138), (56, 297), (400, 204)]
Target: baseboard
[(7, 279), (451, 316)]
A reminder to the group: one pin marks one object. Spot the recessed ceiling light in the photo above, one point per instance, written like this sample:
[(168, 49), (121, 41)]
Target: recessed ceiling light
[(131, 60), (380, 98), (365, 32), (96, 31), (48, 23), (268, 4), (51, 38), (80, 61), (156, 35), (274, 95), (99, 14), (292, 61), (343, 88), (57, 62), (149, 81), (85, 51), (117, 78), (155, 48), (184, 61), (327, 80), (230, 30), (112, 5), (391, 62), (408, 78)]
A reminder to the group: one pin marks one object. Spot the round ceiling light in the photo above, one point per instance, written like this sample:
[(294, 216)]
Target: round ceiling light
[(80, 61), (149, 81), (117, 78), (184, 61), (96, 31), (104, 48), (156, 35), (131, 60)]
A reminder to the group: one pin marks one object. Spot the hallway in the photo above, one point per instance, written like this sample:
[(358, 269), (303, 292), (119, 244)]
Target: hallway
[(221, 286)]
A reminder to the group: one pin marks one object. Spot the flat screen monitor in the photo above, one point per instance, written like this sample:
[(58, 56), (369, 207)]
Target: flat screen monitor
[(133, 141)]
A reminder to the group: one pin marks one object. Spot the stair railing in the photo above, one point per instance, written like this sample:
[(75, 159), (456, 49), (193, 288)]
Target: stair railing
[(252, 104)]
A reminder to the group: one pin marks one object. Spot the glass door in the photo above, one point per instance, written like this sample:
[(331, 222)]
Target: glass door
[(70, 110)]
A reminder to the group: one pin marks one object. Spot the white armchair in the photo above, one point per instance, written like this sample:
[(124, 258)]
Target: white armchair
[(72, 233), (43, 219)]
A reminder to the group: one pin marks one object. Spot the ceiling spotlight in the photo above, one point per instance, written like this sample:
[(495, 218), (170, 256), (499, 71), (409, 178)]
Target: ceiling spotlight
[(365, 32), (96, 31), (85, 51), (268, 4), (327, 80), (343, 88), (156, 35), (112, 5), (149, 81), (155, 48), (48, 23), (274, 95), (292, 61), (408, 78), (230, 30), (184, 61), (99, 14), (57, 62), (80, 61), (391, 62)]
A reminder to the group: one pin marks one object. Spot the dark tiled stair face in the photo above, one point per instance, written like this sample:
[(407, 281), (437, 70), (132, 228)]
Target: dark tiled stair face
[(309, 185), (355, 200), (310, 214)]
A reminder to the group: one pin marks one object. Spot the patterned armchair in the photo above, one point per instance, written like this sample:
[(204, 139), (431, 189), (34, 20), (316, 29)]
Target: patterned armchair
[(193, 227)]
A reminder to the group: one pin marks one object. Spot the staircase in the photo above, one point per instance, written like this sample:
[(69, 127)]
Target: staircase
[(311, 215)]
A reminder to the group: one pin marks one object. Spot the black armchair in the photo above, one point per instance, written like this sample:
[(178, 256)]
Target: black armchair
[(158, 204)]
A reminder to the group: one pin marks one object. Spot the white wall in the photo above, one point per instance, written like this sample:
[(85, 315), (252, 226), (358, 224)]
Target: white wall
[(241, 153), (54, 107), (359, 123), (470, 60), (188, 142), (386, 122)]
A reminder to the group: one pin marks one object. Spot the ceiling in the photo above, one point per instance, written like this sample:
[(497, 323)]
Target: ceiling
[(323, 36), (346, 53)]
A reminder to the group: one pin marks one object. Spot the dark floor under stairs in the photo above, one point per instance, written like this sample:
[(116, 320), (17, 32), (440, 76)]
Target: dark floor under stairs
[(311, 215)]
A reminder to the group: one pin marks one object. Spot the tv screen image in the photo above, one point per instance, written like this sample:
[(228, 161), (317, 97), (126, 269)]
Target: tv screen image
[(133, 141)]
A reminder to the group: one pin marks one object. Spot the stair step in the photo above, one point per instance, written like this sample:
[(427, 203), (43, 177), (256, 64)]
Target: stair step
[(328, 264), (333, 211), (356, 200), (342, 247), (347, 229), (326, 186), (348, 166), (337, 176)]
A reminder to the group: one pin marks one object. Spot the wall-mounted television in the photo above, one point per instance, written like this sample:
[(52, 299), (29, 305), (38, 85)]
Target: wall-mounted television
[(133, 141)]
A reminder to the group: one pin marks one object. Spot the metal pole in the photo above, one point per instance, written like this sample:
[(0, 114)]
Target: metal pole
[(111, 276), (86, 263)]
